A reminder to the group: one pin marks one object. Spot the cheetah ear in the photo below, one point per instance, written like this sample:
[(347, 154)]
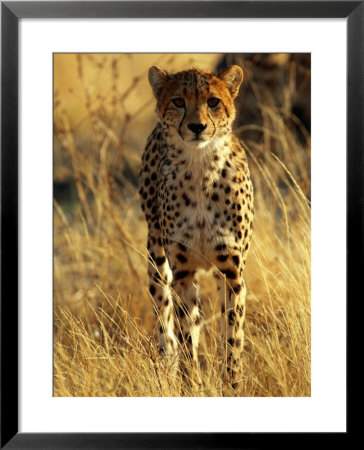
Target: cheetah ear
[(157, 77), (233, 77)]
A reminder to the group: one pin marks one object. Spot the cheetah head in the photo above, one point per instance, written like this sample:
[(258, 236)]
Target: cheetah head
[(195, 107)]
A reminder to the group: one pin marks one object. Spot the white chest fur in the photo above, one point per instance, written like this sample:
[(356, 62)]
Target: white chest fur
[(192, 180)]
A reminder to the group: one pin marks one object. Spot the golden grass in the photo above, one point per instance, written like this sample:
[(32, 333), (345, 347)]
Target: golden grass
[(104, 322)]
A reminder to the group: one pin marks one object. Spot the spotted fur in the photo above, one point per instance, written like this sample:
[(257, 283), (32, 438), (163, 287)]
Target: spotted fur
[(197, 197)]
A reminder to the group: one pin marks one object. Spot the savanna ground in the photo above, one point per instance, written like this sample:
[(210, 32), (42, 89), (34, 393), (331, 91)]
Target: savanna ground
[(104, 320)]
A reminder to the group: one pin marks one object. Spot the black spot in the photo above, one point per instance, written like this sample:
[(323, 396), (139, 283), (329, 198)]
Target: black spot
[(152, 289), (223, 173), (159, 261), (157, 277), (237, 289), (232, 274), (182, 247), (240, 310), (181, 274), (147, 181), (221, 246), (215, 197), (222, 258), (186, 199), (181, 312), (181, 258), (231, 317), (231, 341), (236, 260)]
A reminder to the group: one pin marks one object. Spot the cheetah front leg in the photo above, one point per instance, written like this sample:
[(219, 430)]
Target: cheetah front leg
[(160, 277), (232, 294), (188, 311)]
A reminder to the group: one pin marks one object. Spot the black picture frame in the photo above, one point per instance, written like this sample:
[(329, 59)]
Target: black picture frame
[(11, 12)]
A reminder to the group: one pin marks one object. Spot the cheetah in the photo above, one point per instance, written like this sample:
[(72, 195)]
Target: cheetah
[(197, 197)]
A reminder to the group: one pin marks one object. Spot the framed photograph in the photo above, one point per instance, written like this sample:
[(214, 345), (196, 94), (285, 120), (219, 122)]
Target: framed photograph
[(182, 207)]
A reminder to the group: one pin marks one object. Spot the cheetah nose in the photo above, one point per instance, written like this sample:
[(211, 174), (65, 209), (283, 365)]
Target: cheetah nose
[(196, 127)]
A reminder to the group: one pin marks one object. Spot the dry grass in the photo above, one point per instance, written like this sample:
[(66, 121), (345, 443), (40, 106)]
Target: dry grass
[(104, 322)]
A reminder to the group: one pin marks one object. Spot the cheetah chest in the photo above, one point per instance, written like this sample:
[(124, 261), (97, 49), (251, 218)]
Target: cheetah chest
[(193, 202)]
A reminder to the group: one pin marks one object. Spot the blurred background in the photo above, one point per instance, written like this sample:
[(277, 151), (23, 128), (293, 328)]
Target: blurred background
[(104, 323)]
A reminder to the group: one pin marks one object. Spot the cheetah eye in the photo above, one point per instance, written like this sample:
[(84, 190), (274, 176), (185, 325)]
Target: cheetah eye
[(213, 101), (179, 102)]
